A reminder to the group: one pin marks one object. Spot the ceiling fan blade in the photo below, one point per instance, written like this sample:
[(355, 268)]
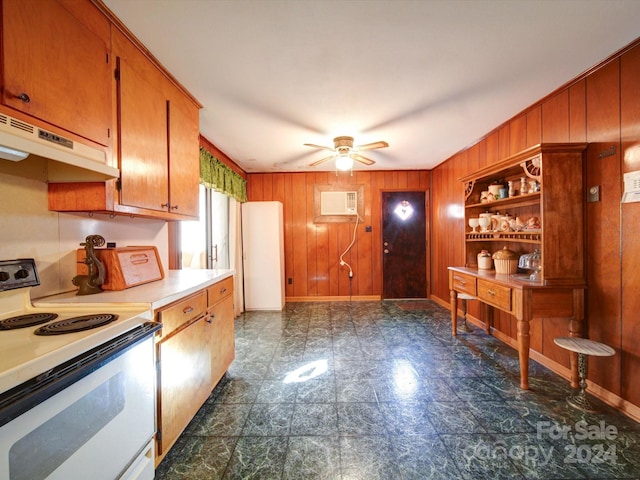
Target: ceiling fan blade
[(371, 146), (312, 145), (361, 159), (322, 160)]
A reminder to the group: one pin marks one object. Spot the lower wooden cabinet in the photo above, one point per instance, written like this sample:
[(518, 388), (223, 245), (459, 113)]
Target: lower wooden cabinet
[(184, 380), (194, 350), (223, 342)]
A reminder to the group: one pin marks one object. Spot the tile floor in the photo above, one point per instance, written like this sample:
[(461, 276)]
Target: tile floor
[(369, 390)]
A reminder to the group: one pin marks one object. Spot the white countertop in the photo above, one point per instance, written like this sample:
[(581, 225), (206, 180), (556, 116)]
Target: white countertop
[(176, 284)]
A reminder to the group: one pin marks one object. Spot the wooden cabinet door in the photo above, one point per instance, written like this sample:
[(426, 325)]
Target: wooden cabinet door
[(143, 149), (184, 157), (56, 68), (222, 338), (184, 380)]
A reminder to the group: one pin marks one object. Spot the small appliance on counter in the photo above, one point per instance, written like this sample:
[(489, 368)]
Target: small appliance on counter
[(90, 282)]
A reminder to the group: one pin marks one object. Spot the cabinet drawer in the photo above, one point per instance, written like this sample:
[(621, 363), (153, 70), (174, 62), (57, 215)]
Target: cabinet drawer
[(464, 283), (496, 295), (182, 311), (220, 290)]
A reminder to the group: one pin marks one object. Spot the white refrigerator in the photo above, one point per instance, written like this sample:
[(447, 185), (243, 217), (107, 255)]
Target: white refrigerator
[(263, 255)]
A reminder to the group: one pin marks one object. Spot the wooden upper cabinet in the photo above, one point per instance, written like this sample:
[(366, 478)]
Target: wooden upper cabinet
[(184, 157), (158, 136), (56, 65), (143, 143), (156, 143)]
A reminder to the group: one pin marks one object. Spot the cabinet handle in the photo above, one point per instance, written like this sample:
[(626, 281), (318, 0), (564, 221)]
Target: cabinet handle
[(462, 282), (173, 207), (223, 290), (165, 205), (491, 292), (187, 310), (210, 318), (24, 97)]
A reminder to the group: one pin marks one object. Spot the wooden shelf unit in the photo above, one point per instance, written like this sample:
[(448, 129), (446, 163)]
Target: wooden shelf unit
[(560, 207)]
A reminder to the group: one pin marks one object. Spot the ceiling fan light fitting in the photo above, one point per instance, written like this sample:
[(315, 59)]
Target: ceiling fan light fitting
[(345, 153), (344, 163)]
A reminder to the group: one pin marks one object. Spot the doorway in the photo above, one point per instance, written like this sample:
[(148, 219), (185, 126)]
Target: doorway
[(404, 245)]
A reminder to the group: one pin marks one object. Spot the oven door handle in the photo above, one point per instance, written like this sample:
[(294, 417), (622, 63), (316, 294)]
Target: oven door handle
[(27, 395)]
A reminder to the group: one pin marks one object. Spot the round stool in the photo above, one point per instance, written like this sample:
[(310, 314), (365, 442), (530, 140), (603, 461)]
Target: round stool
[(464, 297), (583, 347)]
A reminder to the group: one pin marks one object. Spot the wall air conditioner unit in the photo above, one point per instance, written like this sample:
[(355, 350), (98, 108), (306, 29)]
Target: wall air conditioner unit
[(338, 203)]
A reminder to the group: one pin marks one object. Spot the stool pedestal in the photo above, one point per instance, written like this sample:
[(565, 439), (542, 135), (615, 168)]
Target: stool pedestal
[(583, 347), (464, 297)]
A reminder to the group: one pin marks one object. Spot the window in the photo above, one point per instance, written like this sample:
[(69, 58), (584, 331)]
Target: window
[(205, 242)]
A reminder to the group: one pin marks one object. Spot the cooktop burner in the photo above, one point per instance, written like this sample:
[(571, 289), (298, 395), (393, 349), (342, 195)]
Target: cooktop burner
[(27, 320), (76, 324)]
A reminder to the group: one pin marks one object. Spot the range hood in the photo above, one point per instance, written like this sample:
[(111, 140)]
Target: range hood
[(55, 158)]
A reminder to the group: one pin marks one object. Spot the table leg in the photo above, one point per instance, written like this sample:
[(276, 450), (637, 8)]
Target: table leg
[(576, 323), (523, 352), (580, 400), (454, 312), (488, 315)]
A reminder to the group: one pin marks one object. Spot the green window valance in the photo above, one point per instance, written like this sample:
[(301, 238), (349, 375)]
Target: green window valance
[(219, 177)]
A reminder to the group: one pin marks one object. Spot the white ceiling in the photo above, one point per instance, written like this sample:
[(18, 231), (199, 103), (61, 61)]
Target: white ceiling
[(430, 77)]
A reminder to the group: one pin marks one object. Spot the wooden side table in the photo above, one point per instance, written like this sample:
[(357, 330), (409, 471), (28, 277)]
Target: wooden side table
[(583, 347), (524, 299)]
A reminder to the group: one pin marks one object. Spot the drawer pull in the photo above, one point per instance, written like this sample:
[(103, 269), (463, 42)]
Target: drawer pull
[(462, 282), (223, 290), (187, 310), (491, 292), (210, 318)]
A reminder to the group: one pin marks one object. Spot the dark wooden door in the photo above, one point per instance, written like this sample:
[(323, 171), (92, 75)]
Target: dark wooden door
[(404, 245)]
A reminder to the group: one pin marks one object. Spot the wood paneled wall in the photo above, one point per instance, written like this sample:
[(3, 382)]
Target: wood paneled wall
[(312, 250), (601, 108)]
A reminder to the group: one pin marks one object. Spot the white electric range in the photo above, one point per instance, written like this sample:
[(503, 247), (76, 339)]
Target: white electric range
[(77, 385)]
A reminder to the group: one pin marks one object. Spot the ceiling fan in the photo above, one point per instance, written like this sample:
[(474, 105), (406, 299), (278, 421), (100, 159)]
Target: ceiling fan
[(345, 153)]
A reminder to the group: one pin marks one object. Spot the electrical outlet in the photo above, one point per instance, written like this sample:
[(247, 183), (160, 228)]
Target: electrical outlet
[(593, 194)]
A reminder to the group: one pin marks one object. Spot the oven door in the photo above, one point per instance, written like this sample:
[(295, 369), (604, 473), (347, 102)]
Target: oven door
[(96, 427)]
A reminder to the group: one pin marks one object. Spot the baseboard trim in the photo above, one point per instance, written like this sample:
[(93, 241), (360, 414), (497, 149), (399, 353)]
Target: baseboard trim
[(441, 302), (355, 298)]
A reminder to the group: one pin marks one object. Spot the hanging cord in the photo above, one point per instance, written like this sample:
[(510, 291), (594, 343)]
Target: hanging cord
[(343, 263)]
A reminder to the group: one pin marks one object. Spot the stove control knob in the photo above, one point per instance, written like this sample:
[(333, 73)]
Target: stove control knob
[(20, 274), (4, 276)]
